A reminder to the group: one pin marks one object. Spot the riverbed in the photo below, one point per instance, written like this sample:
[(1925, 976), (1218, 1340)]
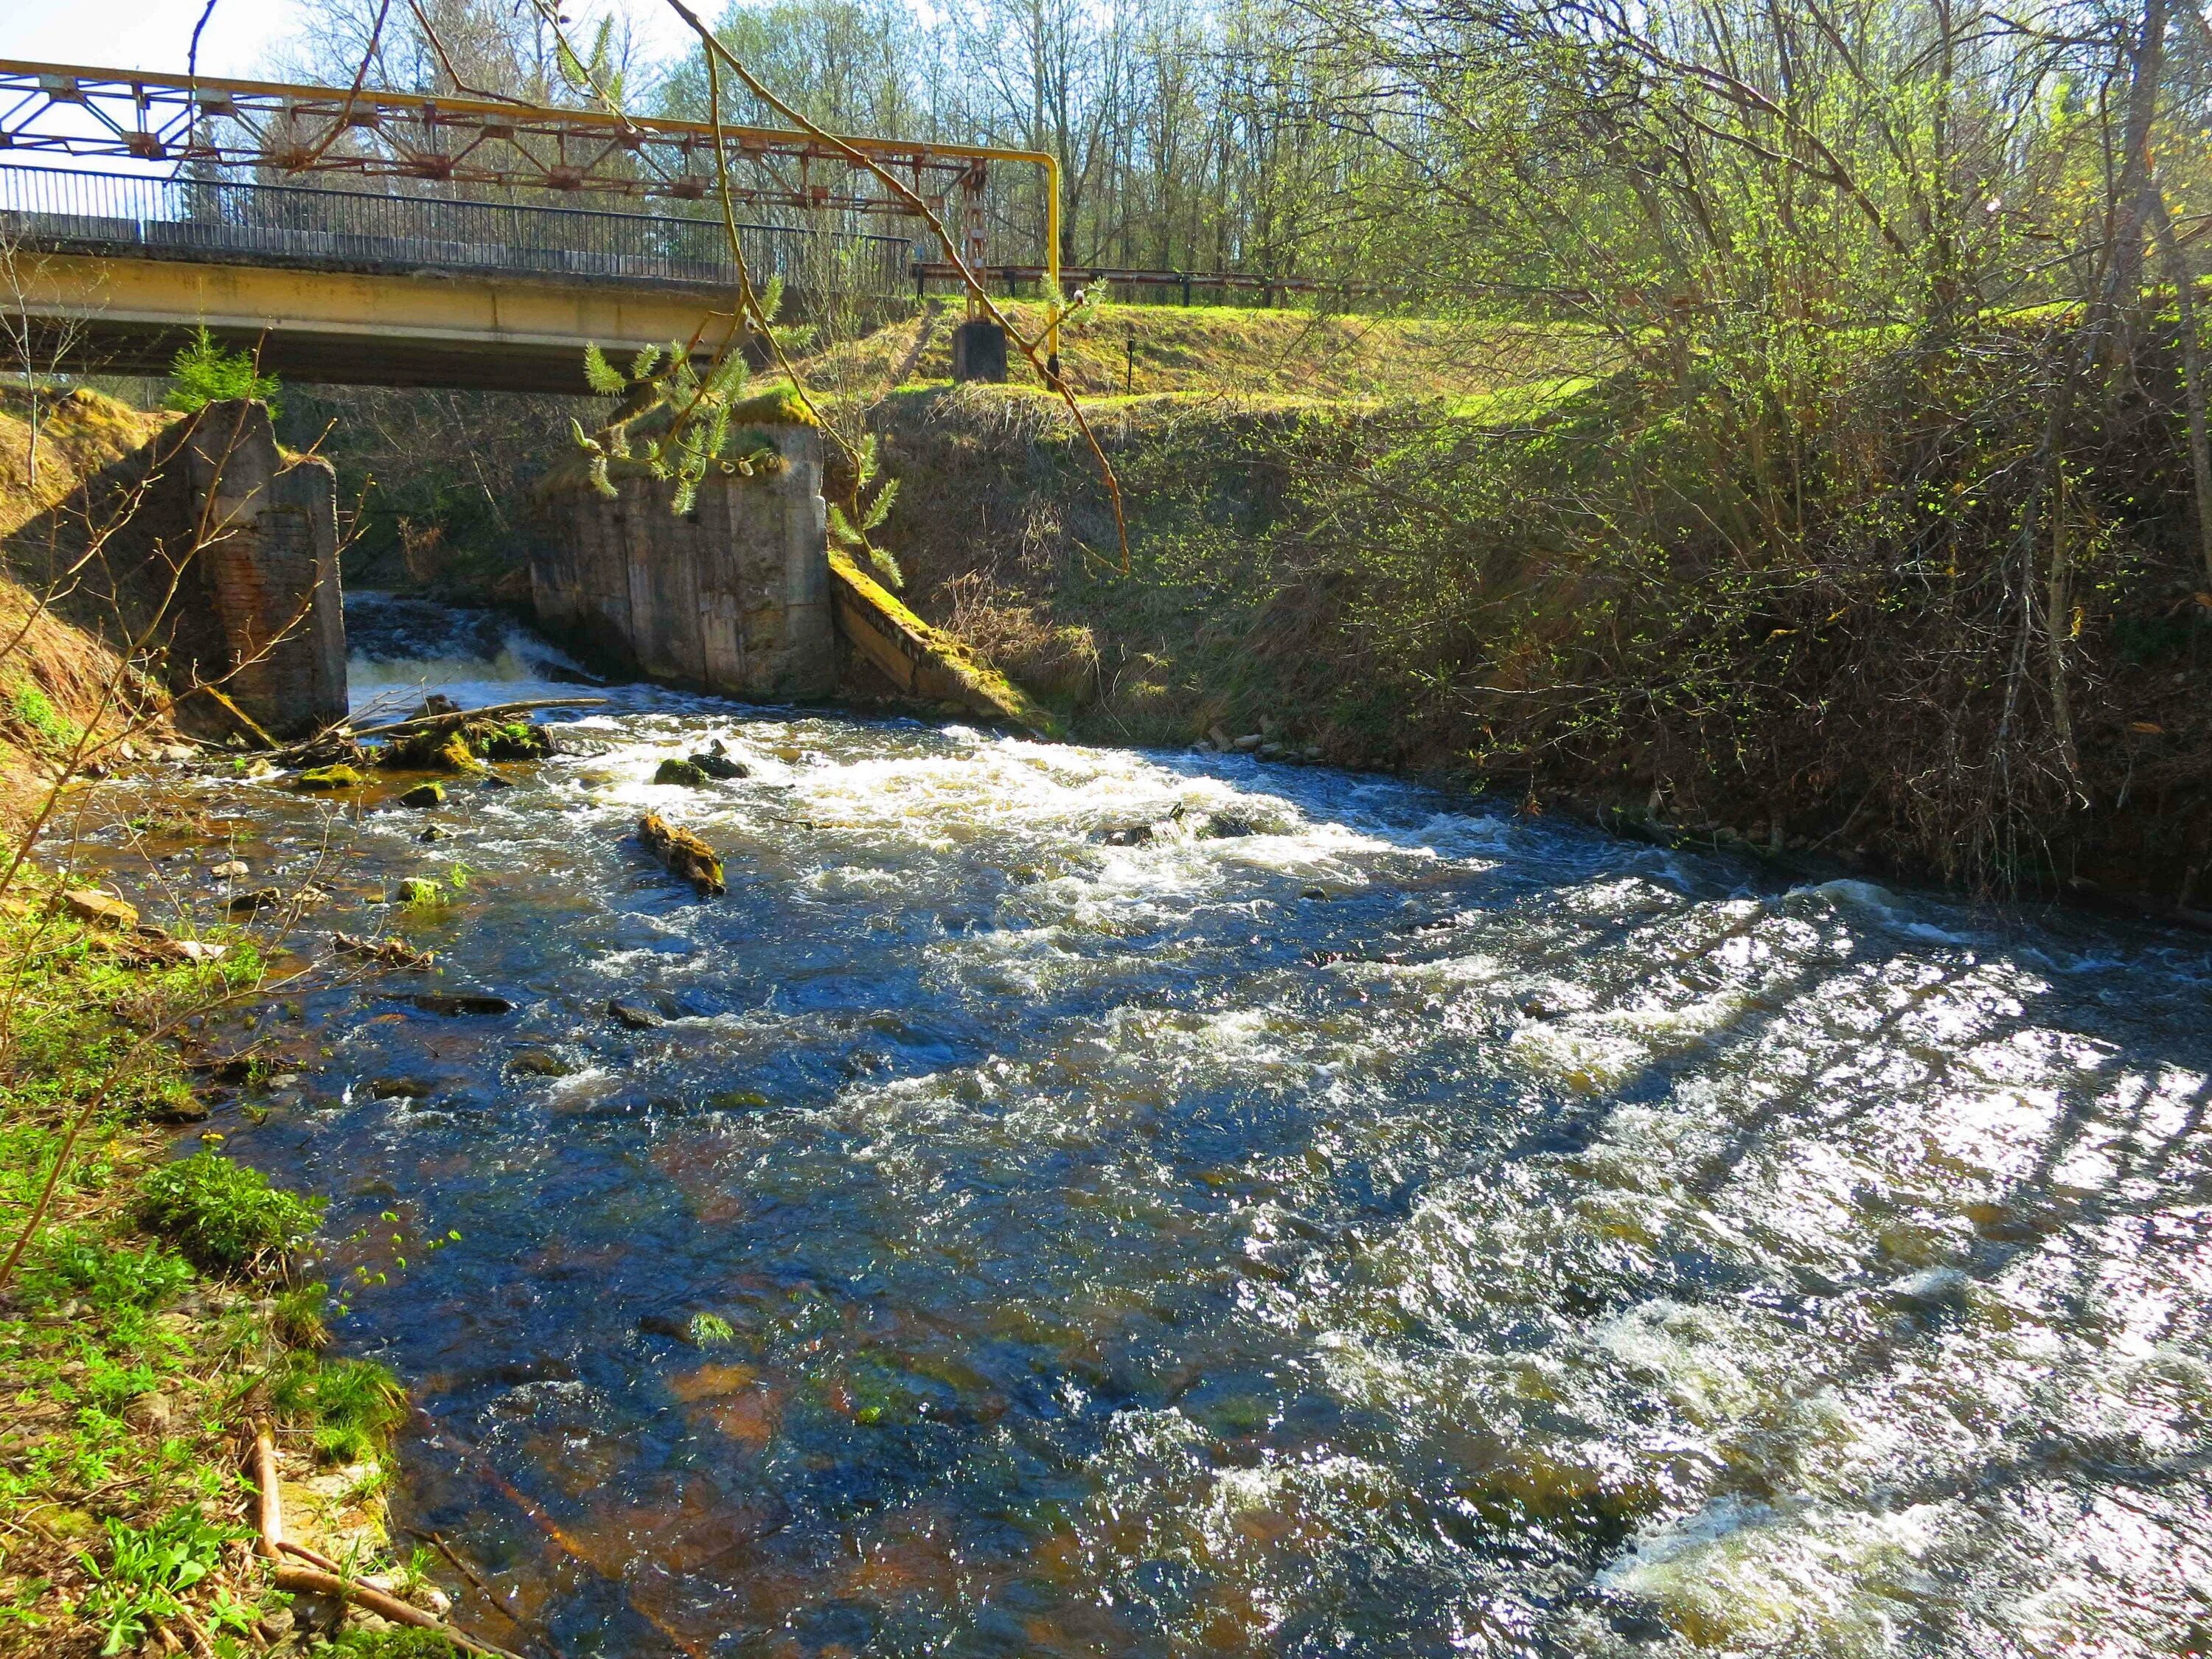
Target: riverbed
[(1068, 1201)]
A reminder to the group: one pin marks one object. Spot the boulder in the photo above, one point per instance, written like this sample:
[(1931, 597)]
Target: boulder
[(688, 773), (99, 909), (424, 794), (324, 778), (715, 761)]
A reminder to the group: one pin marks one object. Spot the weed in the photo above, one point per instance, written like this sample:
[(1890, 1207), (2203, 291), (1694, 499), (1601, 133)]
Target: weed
[(401, 1644), (108, 1276), (711, 1331), (419, 893), (147, 1568), (225, 1215)]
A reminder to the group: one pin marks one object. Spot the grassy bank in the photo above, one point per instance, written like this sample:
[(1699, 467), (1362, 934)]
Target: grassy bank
[(155, 1316), (1829, 632)]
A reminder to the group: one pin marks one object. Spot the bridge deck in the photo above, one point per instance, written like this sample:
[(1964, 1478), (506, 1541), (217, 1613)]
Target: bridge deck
[(376, 289)]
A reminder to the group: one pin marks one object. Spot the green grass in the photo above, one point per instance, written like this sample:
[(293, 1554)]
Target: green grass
[(352, 1405), (35, 715), (131, 1362)]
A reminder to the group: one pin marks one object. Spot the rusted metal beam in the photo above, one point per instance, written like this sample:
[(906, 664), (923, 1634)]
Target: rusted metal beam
[(58, 110)]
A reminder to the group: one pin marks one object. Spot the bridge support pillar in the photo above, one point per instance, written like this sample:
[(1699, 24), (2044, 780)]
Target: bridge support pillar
[(979, 351), (732, 596), (261, 616)]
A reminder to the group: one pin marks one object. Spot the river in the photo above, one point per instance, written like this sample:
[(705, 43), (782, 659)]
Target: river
[(1343, 1220)]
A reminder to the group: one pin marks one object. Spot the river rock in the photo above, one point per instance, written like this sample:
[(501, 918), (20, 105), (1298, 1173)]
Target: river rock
[(1247, 743), (686, 773), (400, 1088), (1130, 835), (684, 853), (424, 794), (326, 778), (432, 833), (385, 953), (418, 890), (537, 1062), (1226, 826), (634, 1015), (232, 870), (259, 899), (150, 1413), (461, 1002), (99, 909)]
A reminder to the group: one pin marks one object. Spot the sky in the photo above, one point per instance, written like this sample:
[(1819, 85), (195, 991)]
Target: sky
[(240, 40)]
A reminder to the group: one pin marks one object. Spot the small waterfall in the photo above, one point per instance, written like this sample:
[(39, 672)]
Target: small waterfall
[(398, 646)]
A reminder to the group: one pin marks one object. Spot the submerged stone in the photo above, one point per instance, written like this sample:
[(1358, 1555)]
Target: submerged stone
[(634, 1015), (461, 1002)]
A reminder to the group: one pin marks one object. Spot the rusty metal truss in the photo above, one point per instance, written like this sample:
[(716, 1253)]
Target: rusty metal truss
[(50, 111)]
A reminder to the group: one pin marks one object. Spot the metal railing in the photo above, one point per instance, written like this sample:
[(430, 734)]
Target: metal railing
[(66, 211)]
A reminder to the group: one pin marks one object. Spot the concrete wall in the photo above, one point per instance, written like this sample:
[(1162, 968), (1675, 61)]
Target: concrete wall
[(259, 613), (732, 596)]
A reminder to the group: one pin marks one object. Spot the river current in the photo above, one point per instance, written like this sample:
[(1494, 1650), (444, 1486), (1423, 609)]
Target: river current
[(1104, 1202)]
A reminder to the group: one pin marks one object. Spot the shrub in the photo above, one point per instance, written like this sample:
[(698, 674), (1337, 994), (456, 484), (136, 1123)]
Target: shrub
[(203, 373), (224, 1215)]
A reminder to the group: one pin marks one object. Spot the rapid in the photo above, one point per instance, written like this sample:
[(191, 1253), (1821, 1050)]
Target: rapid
[(1069, 1200)]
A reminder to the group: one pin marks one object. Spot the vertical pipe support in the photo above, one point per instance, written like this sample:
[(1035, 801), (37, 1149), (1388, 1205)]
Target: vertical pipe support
[(1051, 260)]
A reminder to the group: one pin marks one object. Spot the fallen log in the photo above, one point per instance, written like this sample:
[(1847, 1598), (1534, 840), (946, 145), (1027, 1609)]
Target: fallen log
[(341, 740), (498, 711), (684, 853)]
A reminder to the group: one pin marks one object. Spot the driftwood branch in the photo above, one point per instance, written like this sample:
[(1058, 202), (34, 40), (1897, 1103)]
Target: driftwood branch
[(324, 1577), (498, 711)]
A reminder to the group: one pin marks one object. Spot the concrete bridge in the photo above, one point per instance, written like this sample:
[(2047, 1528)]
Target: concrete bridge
[(347, 288), (374, 238), (362, 236)]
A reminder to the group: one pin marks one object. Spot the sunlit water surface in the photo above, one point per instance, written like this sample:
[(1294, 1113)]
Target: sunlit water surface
[(1404, 1229)]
